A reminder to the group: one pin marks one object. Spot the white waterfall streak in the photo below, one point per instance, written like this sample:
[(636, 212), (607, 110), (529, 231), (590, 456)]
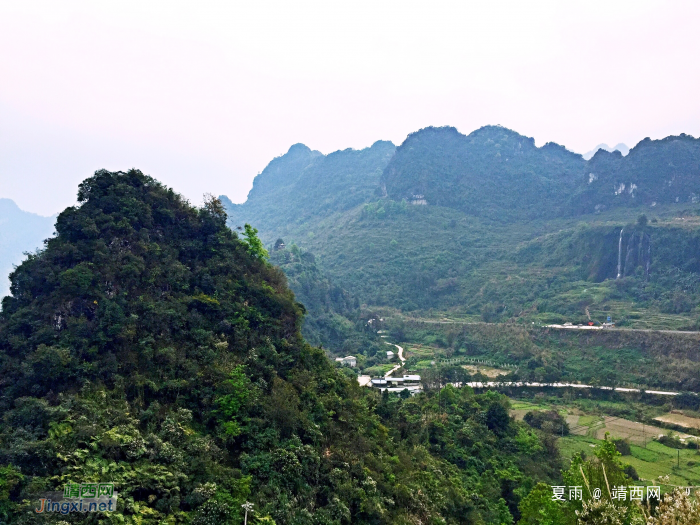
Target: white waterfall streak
[(619, 255)]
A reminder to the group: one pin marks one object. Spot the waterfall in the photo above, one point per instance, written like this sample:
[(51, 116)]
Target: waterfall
[(619, 255)]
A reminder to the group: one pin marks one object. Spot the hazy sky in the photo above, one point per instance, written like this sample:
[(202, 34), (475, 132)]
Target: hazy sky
[(202, 95)]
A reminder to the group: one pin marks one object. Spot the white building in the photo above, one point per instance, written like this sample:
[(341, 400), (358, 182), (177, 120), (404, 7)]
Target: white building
[(389, 354), (397, 384), (348, 360)]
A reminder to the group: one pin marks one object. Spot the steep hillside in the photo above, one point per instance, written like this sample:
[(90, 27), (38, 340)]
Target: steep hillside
[(20, 232), (488, 225), (304, 185), (333, 317), (148, 346), (492, 172), (654, 172)]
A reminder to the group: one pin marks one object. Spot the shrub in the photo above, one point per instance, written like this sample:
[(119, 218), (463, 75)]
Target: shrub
[(550, 421), (623, 447)]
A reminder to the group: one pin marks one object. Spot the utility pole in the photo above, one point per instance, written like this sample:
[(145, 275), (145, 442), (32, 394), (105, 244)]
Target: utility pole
[(439, 388), (248, 507)]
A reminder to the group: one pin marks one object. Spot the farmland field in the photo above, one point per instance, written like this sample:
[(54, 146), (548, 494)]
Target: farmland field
[(679, 420), (650, 458), (682, 466)]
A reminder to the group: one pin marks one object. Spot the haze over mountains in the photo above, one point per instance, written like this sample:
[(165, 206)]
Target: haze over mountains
[(493, 172), (440, 220), (484, 224), (20, 232), (622, 148)]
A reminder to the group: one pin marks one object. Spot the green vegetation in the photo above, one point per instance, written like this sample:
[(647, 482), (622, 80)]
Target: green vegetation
[(333, 318), (492, 172), (649, 463), (147, 345), (604, 357), (151, 346), (602, 471), (304, 186), (470, 254)]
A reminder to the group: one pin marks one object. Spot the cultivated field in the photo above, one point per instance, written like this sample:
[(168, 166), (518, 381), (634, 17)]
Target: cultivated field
[(679, 420), (649, 458)]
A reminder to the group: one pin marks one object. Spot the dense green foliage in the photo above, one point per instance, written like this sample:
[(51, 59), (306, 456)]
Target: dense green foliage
[(606, 357), (147, 345), (304, 185), (493, 172), (334, 318)]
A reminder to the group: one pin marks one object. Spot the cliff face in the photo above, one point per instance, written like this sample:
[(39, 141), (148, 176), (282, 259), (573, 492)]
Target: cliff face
[(638, 254), (654, 172)]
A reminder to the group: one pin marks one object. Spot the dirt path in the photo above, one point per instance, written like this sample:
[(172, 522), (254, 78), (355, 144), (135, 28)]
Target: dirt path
[(401, 358)]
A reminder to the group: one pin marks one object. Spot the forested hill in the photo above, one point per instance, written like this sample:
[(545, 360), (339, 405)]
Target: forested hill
[(499, 174), (654, 172), (150, 346), (493, 172), (489, 225), (333, 317), (304, 185)]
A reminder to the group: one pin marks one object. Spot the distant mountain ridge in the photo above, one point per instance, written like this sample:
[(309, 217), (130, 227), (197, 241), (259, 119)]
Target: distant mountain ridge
[(304, 184), (654, 172), (622, 148), (493, 172), (20, 232)]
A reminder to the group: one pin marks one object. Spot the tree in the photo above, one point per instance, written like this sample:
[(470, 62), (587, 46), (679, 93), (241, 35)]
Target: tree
[(255, 245), (537, 508)]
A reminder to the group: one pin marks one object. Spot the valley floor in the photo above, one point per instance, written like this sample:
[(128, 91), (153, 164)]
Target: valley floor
[(650, 458)]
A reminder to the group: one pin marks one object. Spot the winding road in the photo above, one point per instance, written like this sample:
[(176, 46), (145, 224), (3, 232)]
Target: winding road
[(401, 358), (494, 384), (557, 327)]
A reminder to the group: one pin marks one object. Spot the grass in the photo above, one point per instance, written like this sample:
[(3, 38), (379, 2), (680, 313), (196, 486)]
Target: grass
[(650, 463), (570, 445), (525, 405), (378, 370), (587, 421), (644, 454)]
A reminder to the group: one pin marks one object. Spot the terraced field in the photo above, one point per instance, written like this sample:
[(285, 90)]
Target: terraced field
[(651, 459)]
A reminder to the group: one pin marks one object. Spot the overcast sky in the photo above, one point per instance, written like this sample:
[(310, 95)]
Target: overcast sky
[(202, 95)]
